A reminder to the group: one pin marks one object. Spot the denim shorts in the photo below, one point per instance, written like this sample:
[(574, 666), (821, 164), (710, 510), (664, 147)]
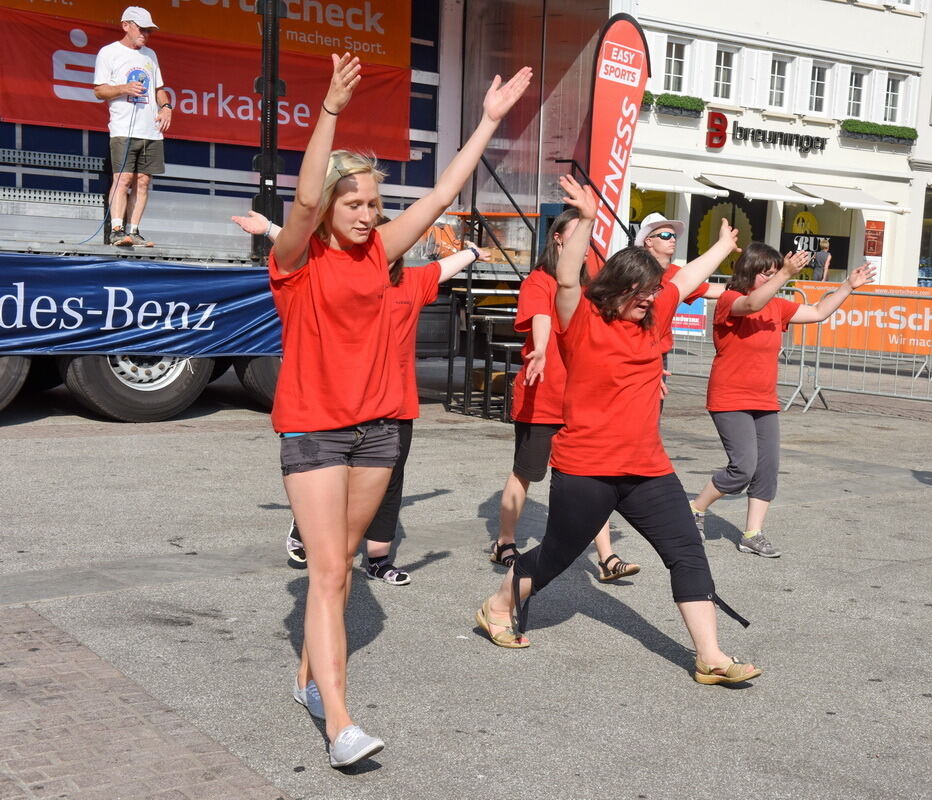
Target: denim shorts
[(368, 444)]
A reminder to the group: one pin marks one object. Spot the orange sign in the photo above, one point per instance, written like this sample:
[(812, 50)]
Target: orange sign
[(873, 320), (873, 237), (378, 31), (48, 79)]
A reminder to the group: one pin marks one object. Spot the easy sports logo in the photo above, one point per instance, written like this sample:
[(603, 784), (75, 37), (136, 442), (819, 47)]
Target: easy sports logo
[(621, 64), (139, 76)]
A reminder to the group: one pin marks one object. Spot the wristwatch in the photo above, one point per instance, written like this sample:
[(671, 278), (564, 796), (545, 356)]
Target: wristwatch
[(169, 106), (474, 252)]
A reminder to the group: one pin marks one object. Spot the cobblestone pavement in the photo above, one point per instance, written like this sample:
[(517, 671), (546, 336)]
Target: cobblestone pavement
[(73, 726)]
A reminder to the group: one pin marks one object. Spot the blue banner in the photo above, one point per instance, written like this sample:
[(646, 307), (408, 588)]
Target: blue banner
[(73, 304)]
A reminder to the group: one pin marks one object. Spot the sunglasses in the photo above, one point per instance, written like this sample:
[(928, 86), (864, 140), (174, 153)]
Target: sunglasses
[(664, 235)]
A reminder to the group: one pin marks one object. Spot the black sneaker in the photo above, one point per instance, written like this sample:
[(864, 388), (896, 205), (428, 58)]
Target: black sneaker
[(138, 240), (384, 570), (119, 238), (297, 558)]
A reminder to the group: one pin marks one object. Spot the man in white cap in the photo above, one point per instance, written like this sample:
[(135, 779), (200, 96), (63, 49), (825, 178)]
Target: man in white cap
[(127, 76)]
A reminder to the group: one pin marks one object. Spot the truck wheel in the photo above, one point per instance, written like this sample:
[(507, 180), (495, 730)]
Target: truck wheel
[(221, 365), (13, 372), (132, 388), (259, 374)]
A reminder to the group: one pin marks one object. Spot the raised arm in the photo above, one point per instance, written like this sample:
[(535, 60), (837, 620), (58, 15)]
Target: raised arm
[(574, 250), (688, 279), (400, 233), (756, 299), (292, 243), (455, 264), (258, 225), (830, 303)]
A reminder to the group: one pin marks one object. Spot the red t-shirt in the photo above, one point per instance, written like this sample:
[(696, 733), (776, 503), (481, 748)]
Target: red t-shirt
[(666, 340), (744, 370), (417, 289), (612, 400), (340, 355), (542, 402)]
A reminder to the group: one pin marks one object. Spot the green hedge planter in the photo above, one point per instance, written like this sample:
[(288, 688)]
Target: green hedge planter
[(875, 132), (679, 105)]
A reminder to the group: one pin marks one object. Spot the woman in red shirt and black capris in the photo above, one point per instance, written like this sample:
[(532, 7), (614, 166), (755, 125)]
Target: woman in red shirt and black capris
[(340, 389), (742, 393), (609, 456)]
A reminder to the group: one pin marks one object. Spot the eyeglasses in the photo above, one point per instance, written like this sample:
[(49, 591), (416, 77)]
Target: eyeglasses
[(664, 235), (769, 272), (647, 294)]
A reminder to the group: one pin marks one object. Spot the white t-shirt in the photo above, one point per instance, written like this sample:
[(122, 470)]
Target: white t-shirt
[(118, 64)]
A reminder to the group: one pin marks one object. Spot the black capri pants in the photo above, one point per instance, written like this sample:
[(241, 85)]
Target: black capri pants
[(385, 523), (656, 507)]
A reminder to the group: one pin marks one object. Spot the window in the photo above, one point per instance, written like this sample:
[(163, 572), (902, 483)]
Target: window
[(724, 71), (674, 68), (817, 88), (856, 93), (891, 100), (779, 68)]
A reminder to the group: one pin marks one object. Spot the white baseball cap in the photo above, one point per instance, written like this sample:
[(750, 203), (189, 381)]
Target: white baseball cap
[(651, 222), (140, 16)]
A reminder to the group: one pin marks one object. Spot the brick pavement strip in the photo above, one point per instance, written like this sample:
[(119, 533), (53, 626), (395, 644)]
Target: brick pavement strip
[(74, 727)]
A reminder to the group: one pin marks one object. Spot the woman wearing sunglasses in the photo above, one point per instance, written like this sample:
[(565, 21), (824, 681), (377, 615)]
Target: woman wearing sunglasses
[(660, 236), (742, 393), (341, 388), (609, 456)]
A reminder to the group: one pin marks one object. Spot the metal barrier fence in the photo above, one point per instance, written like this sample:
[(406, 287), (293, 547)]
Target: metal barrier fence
[(875, 344), (692, 354)]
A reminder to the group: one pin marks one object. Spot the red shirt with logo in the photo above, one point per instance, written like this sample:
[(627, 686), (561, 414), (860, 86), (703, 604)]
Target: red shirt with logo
[(612, 400), (340, 353), (666, 340), (744, 370), (542, 402), (418, 288)]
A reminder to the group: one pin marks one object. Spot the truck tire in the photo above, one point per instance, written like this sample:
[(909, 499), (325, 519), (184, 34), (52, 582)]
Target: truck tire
[(131, 388), (43, 374), (13, 372), (259, 374)]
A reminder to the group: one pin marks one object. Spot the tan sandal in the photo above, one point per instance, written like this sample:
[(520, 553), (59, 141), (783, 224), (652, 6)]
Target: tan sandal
[(618, 569), (505, 638), (732, 672)]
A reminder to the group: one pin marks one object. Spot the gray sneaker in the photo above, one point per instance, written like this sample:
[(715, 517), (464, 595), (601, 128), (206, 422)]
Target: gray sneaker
[(758, 544), (700, 524), (351, 745), (138, 240), (118, 238), (309, 697)]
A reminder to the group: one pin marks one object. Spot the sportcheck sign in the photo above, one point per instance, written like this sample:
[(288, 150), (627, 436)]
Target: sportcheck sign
[(621, 70)]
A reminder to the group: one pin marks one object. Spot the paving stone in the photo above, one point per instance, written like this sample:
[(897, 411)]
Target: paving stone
[(116, 742)]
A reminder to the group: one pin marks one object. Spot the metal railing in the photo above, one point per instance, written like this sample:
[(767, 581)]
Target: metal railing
[(885, 349)]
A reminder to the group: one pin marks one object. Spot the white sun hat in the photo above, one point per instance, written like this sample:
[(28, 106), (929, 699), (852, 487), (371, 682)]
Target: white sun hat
[(653, 221), (140, 16)]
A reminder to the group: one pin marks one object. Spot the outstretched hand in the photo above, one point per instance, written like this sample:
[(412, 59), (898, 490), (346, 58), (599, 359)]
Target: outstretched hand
[(729, 235), (484, 254), (582, 198), (534, 367), (254, 223), (500, 98), (863, 274), (793, 263), (345, 79)]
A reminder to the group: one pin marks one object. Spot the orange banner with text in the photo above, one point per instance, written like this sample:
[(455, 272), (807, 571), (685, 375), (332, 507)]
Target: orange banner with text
[(873, 320), (378, 31), (48, 80)]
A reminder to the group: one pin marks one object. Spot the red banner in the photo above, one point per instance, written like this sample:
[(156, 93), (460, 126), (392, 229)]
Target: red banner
[(48, 72), (622, 67)]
